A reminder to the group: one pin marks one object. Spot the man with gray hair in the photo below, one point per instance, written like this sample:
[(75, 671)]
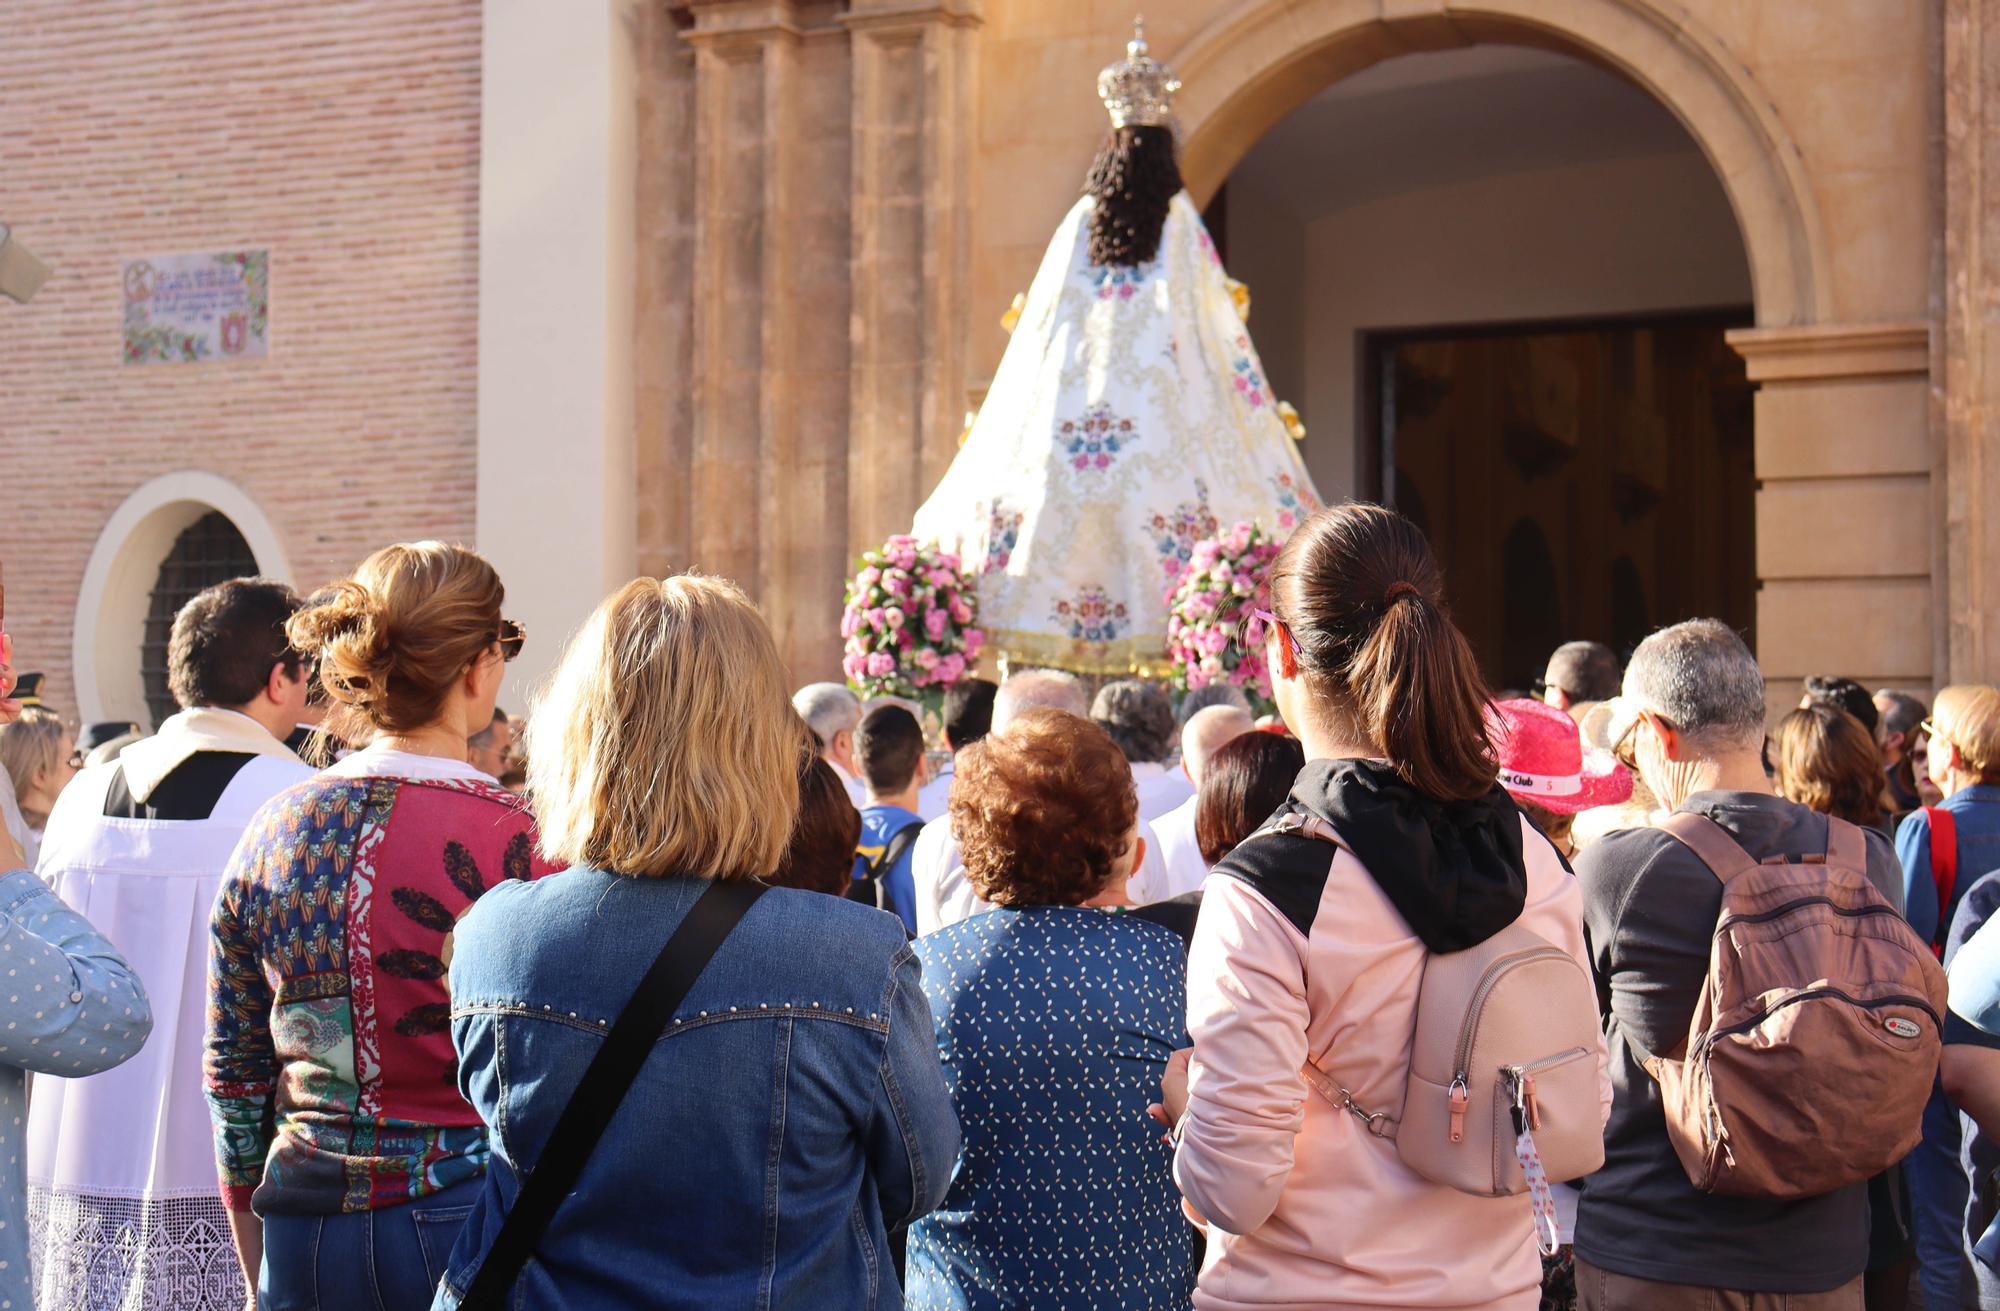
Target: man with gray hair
[(1139, 716), (832, 712), (1692, 715), (943, 894)]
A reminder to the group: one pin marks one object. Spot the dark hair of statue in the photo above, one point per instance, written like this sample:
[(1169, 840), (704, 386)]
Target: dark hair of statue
[(1133, 179)]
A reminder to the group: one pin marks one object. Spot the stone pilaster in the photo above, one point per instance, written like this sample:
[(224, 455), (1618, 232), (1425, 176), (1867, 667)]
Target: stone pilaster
[(1967, 394), (1844, 470), (912, 114)]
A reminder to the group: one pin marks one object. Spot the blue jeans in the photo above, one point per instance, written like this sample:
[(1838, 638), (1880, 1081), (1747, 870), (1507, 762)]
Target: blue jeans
[(1938, 1191), (386, 1260)]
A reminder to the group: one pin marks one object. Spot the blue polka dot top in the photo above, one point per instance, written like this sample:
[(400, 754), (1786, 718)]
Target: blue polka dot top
[(1054, 1024)]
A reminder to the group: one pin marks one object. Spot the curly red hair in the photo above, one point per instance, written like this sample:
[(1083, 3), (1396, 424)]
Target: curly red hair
[(1043, 810)]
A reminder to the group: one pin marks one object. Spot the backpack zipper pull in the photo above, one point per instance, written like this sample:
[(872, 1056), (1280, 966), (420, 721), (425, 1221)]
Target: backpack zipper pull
[(1528, 1100), (1458, 1098)]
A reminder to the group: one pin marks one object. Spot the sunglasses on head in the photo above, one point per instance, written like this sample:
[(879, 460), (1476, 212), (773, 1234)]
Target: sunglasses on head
[(1271, 622), (512, 638)]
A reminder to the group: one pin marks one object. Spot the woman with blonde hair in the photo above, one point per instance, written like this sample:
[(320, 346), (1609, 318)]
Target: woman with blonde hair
[(38, 752), (791, 1111), (348, 1159)]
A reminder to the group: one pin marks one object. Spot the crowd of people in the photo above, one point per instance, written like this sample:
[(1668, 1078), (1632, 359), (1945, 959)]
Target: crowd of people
[(343, 989)]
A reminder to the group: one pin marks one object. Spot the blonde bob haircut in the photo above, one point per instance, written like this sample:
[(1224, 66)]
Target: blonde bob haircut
[(666, 742), (1967, 715)]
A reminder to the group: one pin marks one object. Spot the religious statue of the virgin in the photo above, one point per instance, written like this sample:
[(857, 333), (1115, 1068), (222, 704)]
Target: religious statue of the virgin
[(1130, 416)]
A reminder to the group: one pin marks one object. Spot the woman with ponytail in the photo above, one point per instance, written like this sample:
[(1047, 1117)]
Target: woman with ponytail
[(1306, 951), (348, 1158)]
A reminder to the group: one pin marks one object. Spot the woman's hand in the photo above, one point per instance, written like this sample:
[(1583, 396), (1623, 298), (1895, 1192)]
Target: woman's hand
[(1173, 1091)]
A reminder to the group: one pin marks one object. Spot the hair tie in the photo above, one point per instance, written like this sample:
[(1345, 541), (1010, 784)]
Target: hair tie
[(1400, 589)]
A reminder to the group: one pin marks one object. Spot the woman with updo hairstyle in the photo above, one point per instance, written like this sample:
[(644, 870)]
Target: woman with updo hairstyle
[(348, 1158), (1055, 1016), (1310, 951)]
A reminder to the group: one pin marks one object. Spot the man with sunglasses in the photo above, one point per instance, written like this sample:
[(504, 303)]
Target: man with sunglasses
[(1691, 719), (122, 1165)]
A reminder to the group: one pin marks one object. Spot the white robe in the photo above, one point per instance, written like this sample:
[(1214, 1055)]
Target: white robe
[(1130, 418), (121, 1166)]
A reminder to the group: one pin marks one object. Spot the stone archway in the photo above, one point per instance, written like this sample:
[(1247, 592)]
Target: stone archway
[(1256, 64), (1842, 417)]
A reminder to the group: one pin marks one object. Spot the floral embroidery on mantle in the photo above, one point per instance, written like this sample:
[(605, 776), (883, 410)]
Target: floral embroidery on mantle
[(1095, 440), (1092, 615), (1295, 500), (1178, 530)]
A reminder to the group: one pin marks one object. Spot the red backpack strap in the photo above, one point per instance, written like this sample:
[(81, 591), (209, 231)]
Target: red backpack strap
[(1944, 866), (1724, 856)]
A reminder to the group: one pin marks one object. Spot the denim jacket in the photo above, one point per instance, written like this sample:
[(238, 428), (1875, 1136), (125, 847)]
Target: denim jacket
[(791, 1115), (1976, 815)]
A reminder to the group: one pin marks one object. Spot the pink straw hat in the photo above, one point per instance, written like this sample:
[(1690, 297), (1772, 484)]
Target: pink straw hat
[(1542, 759)]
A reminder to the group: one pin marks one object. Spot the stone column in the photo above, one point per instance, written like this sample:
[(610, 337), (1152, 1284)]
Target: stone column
[(1844, 469), (663, 346), (1967, 391), (766, 452), (913, 103)]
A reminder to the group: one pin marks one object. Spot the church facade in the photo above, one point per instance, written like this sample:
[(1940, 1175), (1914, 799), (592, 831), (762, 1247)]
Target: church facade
[(646, 286)]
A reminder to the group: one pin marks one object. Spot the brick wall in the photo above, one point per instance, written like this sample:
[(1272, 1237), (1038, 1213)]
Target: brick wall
[(343, 137)]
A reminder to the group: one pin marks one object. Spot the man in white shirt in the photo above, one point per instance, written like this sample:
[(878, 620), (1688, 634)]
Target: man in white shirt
[(122, 1164), (968, 716), (1206, 733), (943, 894), (833, 713)]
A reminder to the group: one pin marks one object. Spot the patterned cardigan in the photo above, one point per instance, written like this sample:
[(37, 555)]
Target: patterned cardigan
[(328, 1063)]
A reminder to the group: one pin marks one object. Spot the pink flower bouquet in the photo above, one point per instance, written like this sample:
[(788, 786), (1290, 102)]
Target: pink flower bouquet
[(1225, 579), (910, 621)]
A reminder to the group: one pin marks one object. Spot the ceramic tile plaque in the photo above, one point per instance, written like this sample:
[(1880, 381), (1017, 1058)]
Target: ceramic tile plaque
[(182, 309)]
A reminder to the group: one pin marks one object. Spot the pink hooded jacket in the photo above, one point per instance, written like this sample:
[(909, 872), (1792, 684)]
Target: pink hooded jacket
[(1295, 955)]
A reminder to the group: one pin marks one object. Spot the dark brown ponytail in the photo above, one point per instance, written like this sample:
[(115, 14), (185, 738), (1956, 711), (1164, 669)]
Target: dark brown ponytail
[(1362, 595)]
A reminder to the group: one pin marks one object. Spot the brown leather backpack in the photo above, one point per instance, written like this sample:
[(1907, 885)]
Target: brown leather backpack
[(1816, 1037)]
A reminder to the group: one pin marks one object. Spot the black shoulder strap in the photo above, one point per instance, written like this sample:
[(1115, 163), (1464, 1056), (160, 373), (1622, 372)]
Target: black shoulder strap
[(906, 837), (610, 1073)]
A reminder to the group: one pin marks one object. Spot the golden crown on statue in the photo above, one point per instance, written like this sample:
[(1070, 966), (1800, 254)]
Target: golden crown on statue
[(1138, 90)]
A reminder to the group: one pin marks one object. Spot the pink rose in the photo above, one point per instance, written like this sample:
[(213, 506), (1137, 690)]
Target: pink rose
[(974, 640), (905, 559), (1196, 680), (941, 578), (893, 617), (854, 665), (850, 619), (934, 622), (927, 659), (881, 665), (876, 620), (867, 578), (898, 584), (960, 612), (951, 669)]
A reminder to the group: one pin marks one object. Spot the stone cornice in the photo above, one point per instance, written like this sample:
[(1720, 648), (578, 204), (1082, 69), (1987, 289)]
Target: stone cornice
[(862, 14), (1835, 350), (725, 23)]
